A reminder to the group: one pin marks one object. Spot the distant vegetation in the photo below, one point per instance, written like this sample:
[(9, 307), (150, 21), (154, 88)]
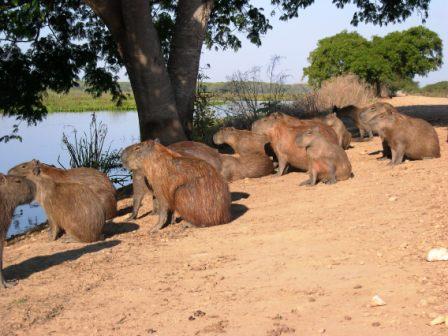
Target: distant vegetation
[(439, 89)]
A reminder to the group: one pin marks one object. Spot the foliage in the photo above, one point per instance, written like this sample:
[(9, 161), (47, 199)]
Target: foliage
[(246, 88), (89, 151), (439, 89), (51, 45), (205, 120), (393, 60), (13, 136), (339, 91)]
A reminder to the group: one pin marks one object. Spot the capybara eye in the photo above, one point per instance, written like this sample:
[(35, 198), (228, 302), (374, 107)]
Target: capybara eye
[(17, 181)]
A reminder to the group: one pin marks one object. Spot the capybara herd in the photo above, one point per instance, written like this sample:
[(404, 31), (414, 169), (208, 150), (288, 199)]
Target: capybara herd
[(189, 179)]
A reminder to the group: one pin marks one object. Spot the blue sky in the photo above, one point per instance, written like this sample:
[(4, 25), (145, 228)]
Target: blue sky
[(295, 39)]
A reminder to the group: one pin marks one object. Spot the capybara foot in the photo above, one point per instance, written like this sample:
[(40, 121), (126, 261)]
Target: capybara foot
[(383, 158), (132, 216), (69, 239), (9, 283), (305, 183), (331, 181), (187, 225)]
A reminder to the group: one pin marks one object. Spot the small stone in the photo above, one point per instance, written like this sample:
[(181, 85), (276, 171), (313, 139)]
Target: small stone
[(438, 320), (393, 198), (311, 299), (347, 318), (377, 301), (322, 331), (437, 254), (357, 287), (376, 324), (423, 303)]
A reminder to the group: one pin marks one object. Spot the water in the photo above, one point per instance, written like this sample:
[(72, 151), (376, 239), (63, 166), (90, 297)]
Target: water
[(44, 142)]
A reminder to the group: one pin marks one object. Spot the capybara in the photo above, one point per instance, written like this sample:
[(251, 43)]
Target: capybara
[(189, 186), (14, 191), (327, 162), (237, 167), (70, 207), (282, 138), (95, 180), (407, 137), (241, 141), (192, 149), (344, 136), (353, 112)]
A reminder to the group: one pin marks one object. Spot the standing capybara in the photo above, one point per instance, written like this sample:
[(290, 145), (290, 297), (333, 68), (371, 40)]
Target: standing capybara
[(407, 137), (14, 191), (189, 186), (353, 112), (191, 149), (237, 167), (70, 207), (241, 141), (344, 136), (96, 181), (327, 162), (282, 138)]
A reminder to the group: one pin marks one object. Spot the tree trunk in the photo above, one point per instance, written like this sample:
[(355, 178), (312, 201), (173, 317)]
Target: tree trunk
[(130, 23), (183, 66)]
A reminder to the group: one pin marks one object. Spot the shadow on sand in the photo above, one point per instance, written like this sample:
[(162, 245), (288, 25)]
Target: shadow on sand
[(37, 264)]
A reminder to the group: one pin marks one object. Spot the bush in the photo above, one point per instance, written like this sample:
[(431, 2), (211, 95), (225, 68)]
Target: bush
[(89, 151), (339, 91)]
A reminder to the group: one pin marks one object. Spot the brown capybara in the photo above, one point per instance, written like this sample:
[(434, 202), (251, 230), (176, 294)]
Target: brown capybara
[(95, 180), (14, 191), (191, 149), (344, 136), (353, 112), (237, 167), (241, 141), (327, 162), (282, 139), (70, 207), (407, 137), (188, 186)]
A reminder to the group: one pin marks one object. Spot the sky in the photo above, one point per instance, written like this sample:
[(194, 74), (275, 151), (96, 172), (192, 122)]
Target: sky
[(295, 39)]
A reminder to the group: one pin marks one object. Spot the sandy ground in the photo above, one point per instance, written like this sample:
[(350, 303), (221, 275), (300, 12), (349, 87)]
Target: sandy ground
[(295, 261)]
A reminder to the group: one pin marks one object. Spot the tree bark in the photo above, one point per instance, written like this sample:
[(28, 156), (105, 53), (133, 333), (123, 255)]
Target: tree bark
[(131, 25), (183, 66)]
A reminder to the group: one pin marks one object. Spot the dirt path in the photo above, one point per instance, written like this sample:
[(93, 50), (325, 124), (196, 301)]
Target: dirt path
[(296, 261)]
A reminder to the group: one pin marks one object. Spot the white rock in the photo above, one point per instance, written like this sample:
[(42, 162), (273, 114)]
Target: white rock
[(393, 198), (377, 301), (437, 254), (438, 320)]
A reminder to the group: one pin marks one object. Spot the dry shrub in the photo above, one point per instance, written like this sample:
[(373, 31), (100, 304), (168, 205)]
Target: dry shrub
[(338, 91)]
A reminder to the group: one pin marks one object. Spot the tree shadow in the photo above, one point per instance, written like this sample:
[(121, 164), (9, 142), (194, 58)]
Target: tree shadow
[(238, 210), (37, 264), (111, 229), (236, 196)]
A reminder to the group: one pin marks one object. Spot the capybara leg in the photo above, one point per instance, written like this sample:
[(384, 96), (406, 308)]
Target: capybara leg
[(282, 163), (137, 202), (397, 156), (312, 180), (67, 239), (370, 133), (54, 231), (4, 283), (163, 217), (155, 205), (362, 133), (331, 175)]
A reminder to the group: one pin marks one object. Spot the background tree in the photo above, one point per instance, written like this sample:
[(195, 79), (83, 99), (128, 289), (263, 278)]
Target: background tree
[(392, 61), (52, 44)]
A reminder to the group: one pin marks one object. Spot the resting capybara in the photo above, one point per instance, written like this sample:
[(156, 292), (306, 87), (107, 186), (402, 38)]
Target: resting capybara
[(354, 112), (70, 207), (189, 186), (237, 167), (96, 181), (344, 136), (407, 137), (282, 138), (186, 148), (327, 162), (241, 141), (14, 191)]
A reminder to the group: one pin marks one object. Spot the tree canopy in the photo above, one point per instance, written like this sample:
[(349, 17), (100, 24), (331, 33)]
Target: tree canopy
[(392, 60), (53, 44)]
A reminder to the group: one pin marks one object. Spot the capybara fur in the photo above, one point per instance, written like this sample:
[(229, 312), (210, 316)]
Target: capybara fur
[(241, 141), (353, 112), (282, 138), (70, 207), (344, 136), (14, 191), (407, 137), (327, 162), (237, 167), (186, 148), (189, 186), (95, 180)]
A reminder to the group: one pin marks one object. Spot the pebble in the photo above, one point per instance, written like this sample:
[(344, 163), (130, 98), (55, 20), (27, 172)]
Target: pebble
[(439, 320), (437, 254), (377, 301), (393, 198), (376, 324)]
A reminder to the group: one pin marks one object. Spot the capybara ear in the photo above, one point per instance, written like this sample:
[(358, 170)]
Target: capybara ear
[(36, 168), (335, 108), (2, 178)]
